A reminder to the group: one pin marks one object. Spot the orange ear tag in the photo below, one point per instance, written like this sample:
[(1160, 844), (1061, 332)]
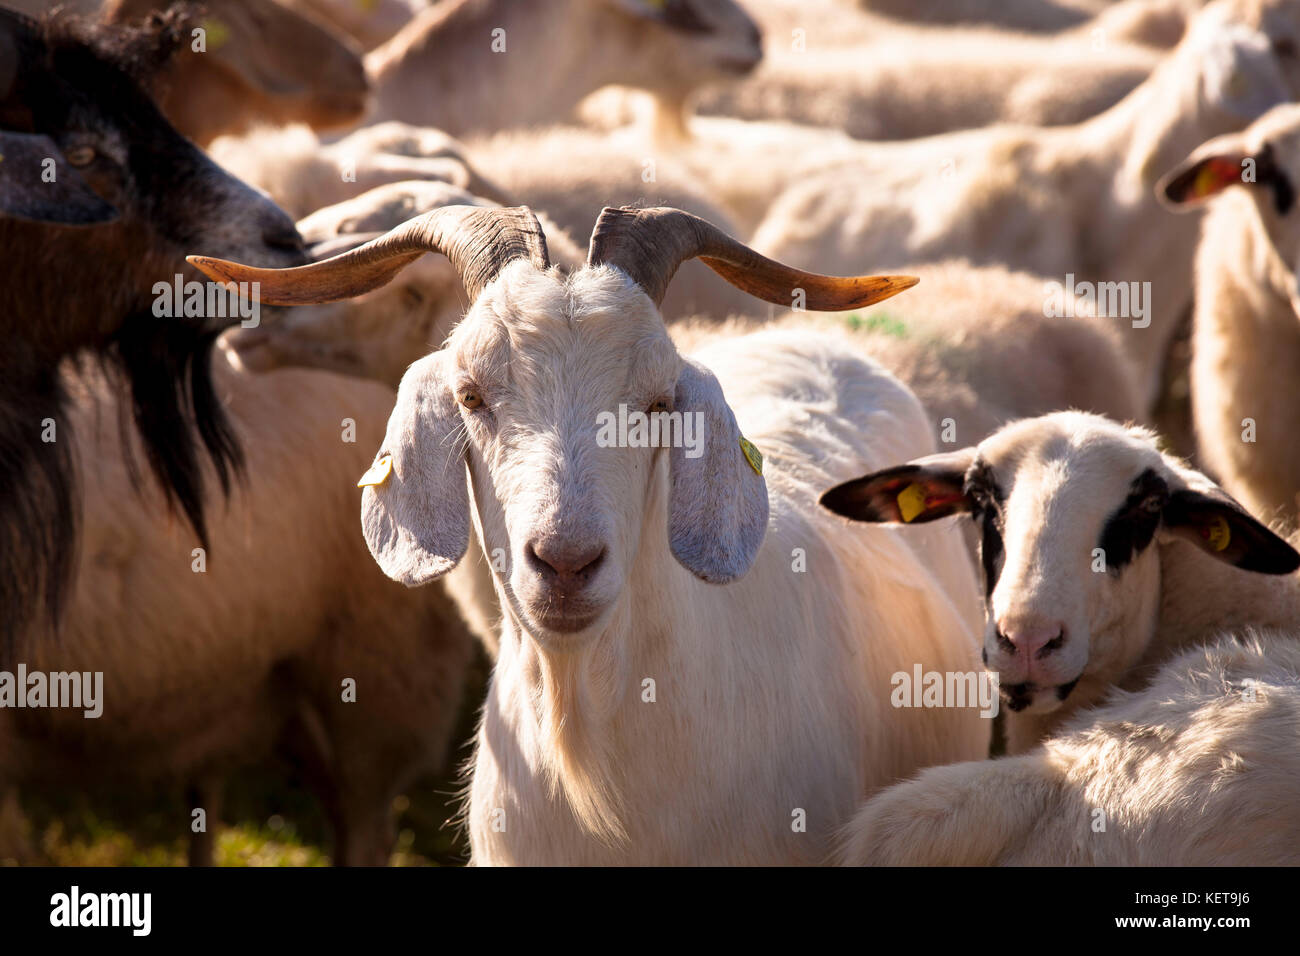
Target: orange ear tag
[(378, 472), (911, 501), (1217, 533)]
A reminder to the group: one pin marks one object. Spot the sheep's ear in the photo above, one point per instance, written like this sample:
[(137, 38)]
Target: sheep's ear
[(1240, 72), (922, 490), (718, 502), (1222, 163), (1202, 176), (1209, 518), (37, 184), (415, 507)]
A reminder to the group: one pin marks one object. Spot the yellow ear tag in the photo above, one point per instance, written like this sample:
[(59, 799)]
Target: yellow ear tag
[(1218, 534), (911, 501), (752, 454), (378, 472)]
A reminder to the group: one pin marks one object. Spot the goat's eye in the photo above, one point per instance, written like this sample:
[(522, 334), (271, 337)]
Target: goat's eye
[(1153, 504), (470, 397), (80, 156), (660, 405)]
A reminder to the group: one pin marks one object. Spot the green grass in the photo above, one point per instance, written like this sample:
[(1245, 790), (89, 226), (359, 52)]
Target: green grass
[(269, 818)]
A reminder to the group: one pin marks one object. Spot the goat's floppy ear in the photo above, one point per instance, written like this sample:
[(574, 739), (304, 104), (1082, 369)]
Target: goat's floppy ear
[(718, 502), (415, 507), (1206, 515), (922, 490), (37, 184)]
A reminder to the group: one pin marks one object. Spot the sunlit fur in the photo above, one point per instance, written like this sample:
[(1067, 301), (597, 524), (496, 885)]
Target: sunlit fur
[(1189, 772), (772, 691)]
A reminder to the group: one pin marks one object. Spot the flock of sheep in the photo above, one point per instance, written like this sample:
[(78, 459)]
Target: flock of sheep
[(696, 658)]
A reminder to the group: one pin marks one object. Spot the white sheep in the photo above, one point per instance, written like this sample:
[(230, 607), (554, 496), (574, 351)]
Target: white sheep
[(1246, 339), (909, 83), (1102, 556), (302, 174), (718, 707), (1074, 204), (478, 66), (1199, 769)]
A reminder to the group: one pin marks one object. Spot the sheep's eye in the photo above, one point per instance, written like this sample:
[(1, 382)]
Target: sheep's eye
[(470, 397), (80, 156), (660, 405)]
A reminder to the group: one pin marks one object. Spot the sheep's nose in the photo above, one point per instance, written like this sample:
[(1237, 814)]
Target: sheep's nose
[(1034, 638), (565, 562)]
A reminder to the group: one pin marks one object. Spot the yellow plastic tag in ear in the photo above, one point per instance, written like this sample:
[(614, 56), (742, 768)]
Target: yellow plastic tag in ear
[(752, 455), (378, 472), (1218, 534), (911, 501)]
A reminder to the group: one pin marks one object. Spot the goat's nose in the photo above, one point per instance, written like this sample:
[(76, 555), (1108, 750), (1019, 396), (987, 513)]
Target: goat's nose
[(568, 562), (1033, 637)]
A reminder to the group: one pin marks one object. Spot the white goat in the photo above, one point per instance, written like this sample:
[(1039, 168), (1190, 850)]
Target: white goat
[(1102, 556), (1072, 201), (485, 65), (736, 723), (1199, 769), (1246, 343)]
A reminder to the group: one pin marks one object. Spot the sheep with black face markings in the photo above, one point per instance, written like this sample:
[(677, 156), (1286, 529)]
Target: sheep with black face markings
[(790, 675), (1102, 556)]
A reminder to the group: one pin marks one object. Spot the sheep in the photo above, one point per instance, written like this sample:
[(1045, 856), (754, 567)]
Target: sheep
[(70, 101), (1199, 769), (1065, 202), (214, 659), (260, 63), (1102, 556), (573, 763), (546, 55), (303, 175), (1246, 338), (907, 84)]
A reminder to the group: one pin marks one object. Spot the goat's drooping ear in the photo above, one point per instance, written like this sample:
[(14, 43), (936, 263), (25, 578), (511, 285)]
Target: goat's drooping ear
[(1222, 163), (37, 184), (922, 490), (718, 502), (650, 244), (415, 506), (478, 241), (1206, 515)]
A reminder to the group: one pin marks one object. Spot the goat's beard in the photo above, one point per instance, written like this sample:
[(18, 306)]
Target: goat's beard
[(167, 366), (166, 369)]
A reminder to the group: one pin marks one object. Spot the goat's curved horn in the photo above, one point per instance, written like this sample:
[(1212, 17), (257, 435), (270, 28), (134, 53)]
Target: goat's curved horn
[(477, 240), (650, 244)]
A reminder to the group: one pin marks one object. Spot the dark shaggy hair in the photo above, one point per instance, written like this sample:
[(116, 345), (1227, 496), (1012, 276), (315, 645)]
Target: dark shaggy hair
[(165, 365)]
